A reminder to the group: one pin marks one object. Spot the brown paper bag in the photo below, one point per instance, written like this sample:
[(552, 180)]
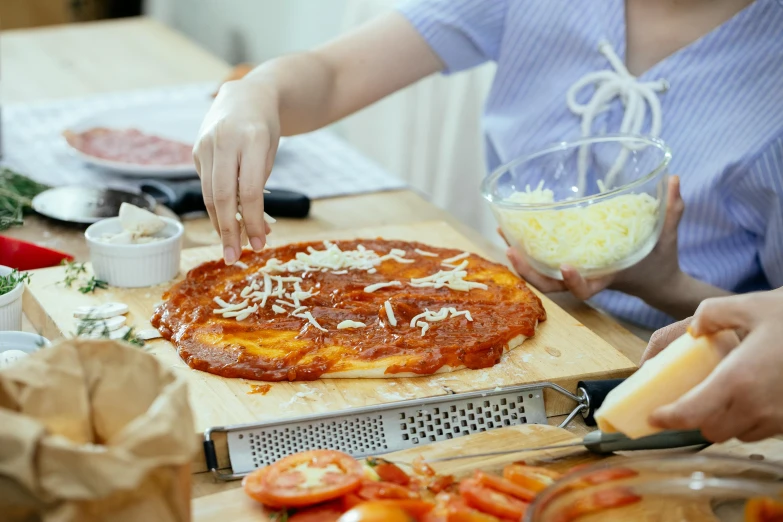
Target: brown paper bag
[(94, 430)]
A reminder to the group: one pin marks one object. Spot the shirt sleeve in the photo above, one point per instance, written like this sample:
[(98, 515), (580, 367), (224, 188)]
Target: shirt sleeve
[(756, 201), (464, 33)]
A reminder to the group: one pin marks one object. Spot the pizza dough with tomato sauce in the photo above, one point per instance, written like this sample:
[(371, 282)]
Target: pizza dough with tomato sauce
[(347, 309)]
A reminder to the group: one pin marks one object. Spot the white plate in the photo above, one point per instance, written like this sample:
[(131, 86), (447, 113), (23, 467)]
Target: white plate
[(180, 122)]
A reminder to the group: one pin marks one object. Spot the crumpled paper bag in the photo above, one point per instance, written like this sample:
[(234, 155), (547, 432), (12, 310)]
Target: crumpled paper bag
[(94, 430)]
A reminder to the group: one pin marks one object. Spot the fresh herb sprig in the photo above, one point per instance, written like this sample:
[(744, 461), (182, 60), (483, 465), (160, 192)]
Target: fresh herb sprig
[(10, 281), (16, 195), (279, 516), (91, 327), (75, 271), (92, 285)]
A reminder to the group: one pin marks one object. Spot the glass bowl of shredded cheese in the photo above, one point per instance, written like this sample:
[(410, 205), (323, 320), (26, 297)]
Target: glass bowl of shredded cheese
[(595, 204)]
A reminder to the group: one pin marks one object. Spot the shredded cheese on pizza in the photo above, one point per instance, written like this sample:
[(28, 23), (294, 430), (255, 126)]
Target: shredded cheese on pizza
[(424, 319), (377, 286), (350, 324), (453, 279), (425, 253), (390, 313), (454, 259)]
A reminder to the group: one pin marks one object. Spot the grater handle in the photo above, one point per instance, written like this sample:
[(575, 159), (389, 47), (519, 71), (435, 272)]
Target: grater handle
[(594, 393), (605, 443)]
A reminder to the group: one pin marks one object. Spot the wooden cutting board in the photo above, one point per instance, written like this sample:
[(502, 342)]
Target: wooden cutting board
[(235, 506), (563, 351)]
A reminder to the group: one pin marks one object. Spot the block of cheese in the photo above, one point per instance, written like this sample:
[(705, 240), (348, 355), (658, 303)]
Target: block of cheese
[(662, 380)]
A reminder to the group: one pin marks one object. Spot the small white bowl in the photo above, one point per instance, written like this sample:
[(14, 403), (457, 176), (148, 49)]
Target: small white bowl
[(11, 305), (135, 266), (23, 341)]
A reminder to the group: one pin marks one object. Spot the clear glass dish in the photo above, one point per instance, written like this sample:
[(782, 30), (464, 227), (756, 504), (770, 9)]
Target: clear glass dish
[(694, 488), (596, 204)]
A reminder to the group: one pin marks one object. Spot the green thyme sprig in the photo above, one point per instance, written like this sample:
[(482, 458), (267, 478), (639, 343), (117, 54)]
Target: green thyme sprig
[(96, 328), (16, 194), (279, 516), (75, 271), (92, 285), (10, 281)]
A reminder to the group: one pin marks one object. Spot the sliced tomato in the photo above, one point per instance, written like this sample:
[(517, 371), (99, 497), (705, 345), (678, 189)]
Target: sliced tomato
[(422, 468), (532, 478), (491, 501), (597, 502), (389, 472), (351, 500), (450, 508), (305, 479), (440, 483), (376, 512), (763, 509), (330, 512), (505, 486), (385, 491)]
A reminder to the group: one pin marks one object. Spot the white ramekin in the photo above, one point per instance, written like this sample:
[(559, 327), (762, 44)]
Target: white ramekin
[(11, 305), (24, 341), (134, 266)]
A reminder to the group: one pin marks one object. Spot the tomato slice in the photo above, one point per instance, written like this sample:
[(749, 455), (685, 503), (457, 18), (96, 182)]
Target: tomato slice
[(377, 511), (450, 508), (305, 479), (351, 500), (505, 486), (491, 501), (532, 478), (763, 509), (597, 502), (385, 491), (440, 483), (330, 512), (422, 468), (389, 472)]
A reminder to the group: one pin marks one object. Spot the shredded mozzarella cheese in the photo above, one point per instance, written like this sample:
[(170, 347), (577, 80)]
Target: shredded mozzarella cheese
[(425, 253), (456, 258), (390, 313), (350, 324), (589, 237), (377, 286), (453, 279), (278, 309)]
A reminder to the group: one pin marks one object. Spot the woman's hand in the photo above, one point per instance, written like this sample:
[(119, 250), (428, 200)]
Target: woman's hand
[(657, 279), (234, 155), (741, 397)]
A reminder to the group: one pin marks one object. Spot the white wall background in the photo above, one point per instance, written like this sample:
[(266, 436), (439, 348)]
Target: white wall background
[(428, 134)]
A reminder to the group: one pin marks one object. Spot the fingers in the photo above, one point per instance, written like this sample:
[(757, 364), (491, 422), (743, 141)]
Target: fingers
[(675, 208), (224, 193), (541, 282), (202, 155), (703, 407), (662, 338), (251, 190), (582, 288), (716, 314)]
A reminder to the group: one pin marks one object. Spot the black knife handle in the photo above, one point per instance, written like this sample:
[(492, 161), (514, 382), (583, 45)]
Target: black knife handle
[(286, 204), (184, 197), (606, 443), (596, 392)]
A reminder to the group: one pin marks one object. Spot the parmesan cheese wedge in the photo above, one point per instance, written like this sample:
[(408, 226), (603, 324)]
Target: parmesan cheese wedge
[(662, 380), (140, 221)]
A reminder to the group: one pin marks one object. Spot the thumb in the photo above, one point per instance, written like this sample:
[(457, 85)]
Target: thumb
[(676, 206), (716, 314), (695, 408)]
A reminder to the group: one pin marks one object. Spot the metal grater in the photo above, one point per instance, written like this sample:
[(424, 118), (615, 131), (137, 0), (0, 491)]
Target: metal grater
[(375, 430)]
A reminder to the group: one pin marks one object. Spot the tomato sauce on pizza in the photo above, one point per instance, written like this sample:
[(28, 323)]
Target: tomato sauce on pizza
[(352, 309)]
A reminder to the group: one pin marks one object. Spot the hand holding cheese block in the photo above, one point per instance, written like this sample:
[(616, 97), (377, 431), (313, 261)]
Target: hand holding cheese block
[(741, 397), (661, 381)]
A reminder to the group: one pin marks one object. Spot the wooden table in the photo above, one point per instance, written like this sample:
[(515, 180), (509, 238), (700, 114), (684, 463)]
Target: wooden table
[(65, 61)]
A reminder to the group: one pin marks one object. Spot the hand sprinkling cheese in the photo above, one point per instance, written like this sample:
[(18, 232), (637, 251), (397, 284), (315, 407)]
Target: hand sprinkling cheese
[(350, 324)]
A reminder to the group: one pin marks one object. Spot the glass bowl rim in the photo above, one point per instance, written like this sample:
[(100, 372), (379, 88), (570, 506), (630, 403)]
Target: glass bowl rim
[(565, 145), (694, 459)]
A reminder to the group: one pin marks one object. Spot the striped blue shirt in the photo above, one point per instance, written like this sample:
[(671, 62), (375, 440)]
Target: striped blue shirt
[(722, 117)]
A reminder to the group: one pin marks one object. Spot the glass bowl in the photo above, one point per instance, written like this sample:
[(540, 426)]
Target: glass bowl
[(695, 488), (595, 204)]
